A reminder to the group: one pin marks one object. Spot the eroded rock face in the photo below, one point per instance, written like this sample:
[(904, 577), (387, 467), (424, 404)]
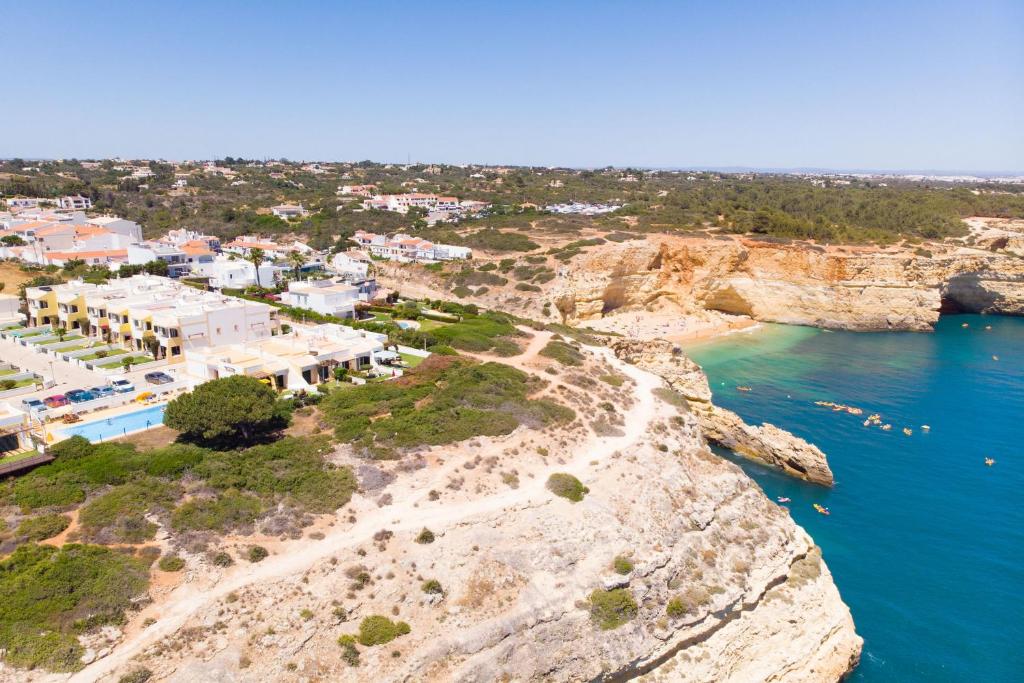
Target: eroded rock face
[(794, 284), (766, 443)]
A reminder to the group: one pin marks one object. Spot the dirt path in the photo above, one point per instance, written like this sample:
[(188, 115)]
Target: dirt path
[(189, 599)]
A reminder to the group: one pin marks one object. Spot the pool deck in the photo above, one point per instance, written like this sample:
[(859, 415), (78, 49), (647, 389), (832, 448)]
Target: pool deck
[(57, 428)]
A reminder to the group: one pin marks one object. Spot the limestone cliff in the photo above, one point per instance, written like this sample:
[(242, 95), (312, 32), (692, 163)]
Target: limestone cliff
[(797, 284), (766, 443), (720, 583)]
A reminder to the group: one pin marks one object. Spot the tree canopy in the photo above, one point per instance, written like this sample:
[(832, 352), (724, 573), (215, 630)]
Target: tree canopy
[(227, 412)]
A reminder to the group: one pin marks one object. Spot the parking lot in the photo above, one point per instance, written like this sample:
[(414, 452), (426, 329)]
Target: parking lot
[(65, 376)]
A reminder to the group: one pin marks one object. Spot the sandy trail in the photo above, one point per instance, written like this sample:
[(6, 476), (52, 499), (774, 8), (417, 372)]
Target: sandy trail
[(189, 599)]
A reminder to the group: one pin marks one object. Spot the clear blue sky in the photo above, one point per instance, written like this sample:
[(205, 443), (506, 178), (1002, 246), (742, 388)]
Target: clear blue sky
[(868, 84)]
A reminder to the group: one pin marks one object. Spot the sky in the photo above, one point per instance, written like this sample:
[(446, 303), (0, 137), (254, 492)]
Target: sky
[(882, 85)]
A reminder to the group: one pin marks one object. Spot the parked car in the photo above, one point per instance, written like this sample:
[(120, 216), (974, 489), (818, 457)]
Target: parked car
[(158, 378), (56, 401), (79, 396), (33, 404), (122, 386), (101, 392)]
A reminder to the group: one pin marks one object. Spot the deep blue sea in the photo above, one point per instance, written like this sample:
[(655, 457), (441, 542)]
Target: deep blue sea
[(925, 541)]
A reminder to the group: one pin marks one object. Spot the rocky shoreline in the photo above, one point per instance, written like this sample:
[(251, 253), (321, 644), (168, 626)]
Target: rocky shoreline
[(767, 443)]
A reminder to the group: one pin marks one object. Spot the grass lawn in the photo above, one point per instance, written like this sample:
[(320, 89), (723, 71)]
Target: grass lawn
[(34, 333), (67, 338), (411, 360), (112, 352), (136, 360), (9, 372), (427, 325), (21, 383)]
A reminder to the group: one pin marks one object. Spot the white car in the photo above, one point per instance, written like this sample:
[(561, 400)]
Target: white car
[(121, 386)]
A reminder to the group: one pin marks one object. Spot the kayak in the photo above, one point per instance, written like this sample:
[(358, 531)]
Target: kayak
[(821, 509)]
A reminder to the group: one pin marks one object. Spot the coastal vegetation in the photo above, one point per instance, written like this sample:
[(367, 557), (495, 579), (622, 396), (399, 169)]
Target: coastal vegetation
[(444, 400), (566, 486), (610, 609), (52, 595), (378, 630)]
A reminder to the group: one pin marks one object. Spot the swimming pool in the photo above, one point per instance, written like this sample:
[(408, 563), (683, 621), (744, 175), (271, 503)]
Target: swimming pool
[(118, 425)]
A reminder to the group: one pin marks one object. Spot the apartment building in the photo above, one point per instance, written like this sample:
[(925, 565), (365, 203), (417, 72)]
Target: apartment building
[(406, 248), (304, 357), (74, 203), (133, 312), (326, 297)]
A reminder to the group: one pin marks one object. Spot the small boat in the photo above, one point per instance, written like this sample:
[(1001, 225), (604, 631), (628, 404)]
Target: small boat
[(988, 327), (867, 423), (886, 428), (744, 388), (925, 428), (908, 431), (783, 499), (990, 462), (995, 357), (965, 325), (822, 510)]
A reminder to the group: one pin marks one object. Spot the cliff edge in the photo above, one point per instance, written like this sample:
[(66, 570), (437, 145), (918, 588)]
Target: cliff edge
[(765, 443)]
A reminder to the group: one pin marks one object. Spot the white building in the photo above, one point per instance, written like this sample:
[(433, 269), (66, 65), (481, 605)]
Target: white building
[(74, 203), (349, 266), (304, 357), (326, 297), (9, 313), (288, 211), (119, 225), (225, 271)]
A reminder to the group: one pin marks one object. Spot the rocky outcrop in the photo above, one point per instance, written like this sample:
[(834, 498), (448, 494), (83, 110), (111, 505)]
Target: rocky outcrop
[(797, 284), (765, 443)]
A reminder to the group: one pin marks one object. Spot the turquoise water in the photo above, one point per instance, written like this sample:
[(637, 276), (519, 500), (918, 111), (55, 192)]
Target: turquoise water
[(925, 542), (101, 430)]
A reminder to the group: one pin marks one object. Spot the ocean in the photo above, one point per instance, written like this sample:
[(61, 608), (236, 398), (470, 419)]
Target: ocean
[(925, 541)]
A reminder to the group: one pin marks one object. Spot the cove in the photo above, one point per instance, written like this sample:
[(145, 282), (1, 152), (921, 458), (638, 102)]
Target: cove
[(925, 542)]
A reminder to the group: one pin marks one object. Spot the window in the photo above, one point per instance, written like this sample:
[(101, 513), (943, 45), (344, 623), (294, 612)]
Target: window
[(218, 330), (175, 350)]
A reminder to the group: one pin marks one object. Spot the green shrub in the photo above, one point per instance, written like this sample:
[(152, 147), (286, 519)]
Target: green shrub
[(377, 630), (527, 287), (171, 563), (676, 607), (50, 595), (566, 354), (221, 559), (349, 651), (613, 608), (136, 676), (567, 486), (43, 526), (257, 553), (622, 565), (425, 536), (432, 586)]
